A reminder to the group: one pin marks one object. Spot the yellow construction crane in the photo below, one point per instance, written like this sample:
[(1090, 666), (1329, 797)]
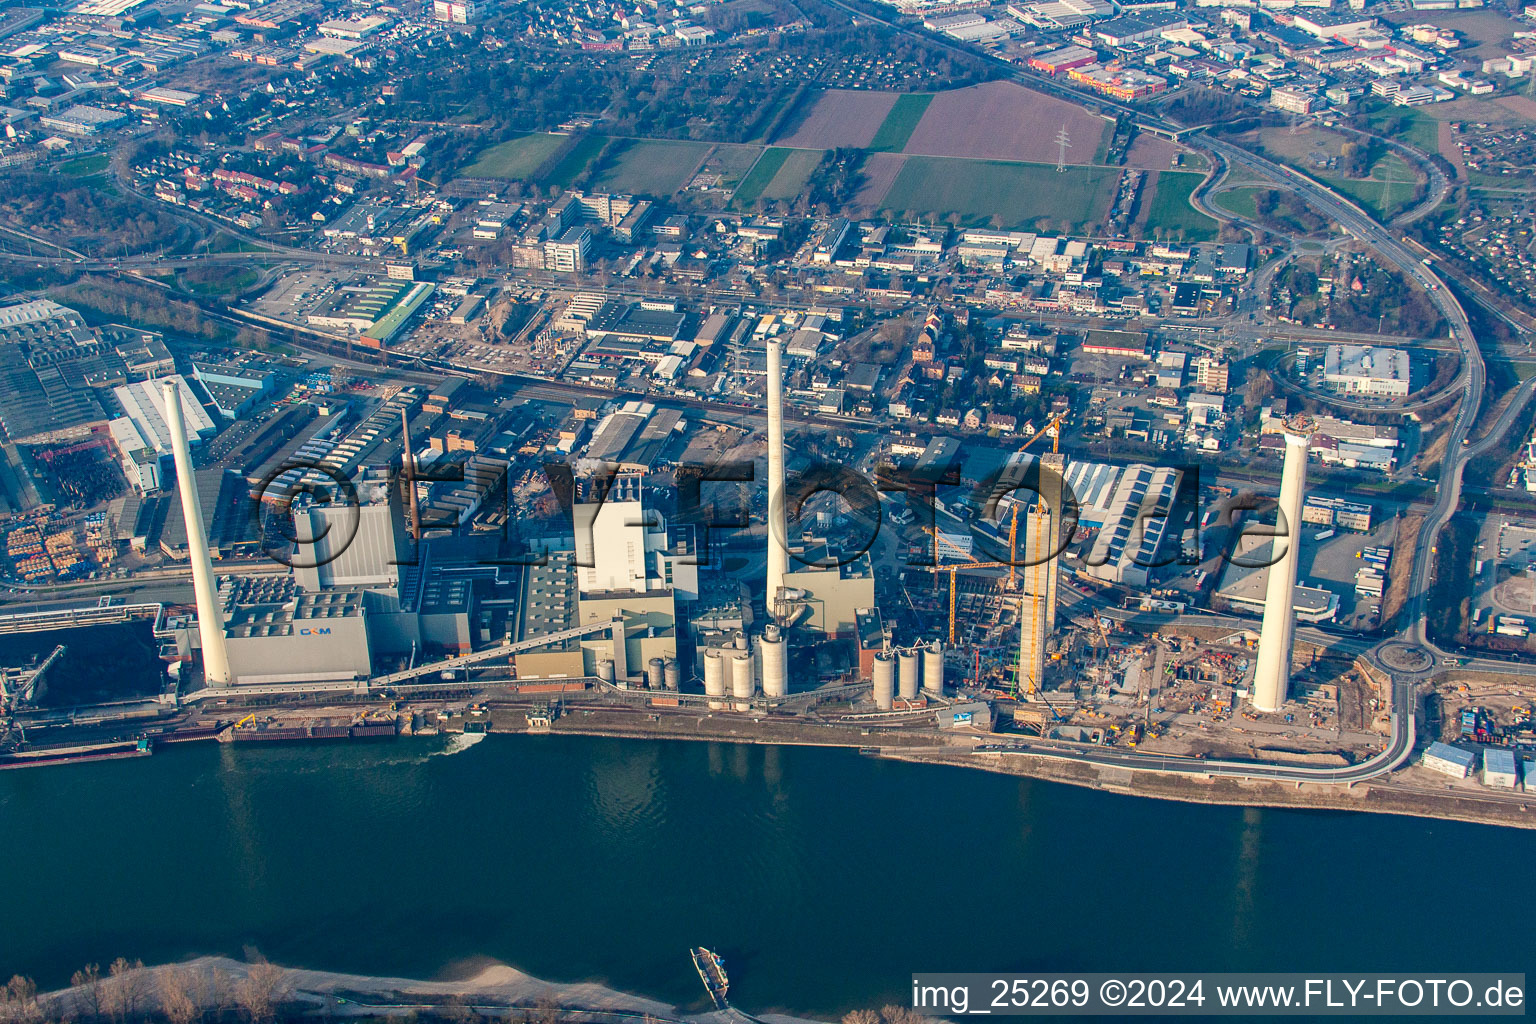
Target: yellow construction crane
[(1053, 428), (953, 570)]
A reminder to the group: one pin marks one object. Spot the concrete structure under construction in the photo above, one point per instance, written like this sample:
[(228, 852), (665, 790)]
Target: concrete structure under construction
[(210, 613), (1040, 526), (1272, 673)]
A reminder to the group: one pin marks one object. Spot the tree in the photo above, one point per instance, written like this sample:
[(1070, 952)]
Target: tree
[(21, 998), (260, 991), (176, 1001), (120, 997), (87, 980), (1257, 389), (861, 1017)]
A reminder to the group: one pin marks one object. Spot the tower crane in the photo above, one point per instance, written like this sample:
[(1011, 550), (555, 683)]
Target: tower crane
[(953, 570)]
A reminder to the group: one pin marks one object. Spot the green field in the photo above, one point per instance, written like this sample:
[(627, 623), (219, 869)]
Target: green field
[(86, 165), (652, 167), (898, 125), (731, 162), (515, 158), (1172, 215), (576, 160), (995, 191), (1241, 201), (793, 176), (761, 174), (1405, 124), (1389, 189)]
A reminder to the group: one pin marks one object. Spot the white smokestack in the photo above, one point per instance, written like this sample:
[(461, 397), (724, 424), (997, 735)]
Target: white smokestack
[(1273, 673), (778, 529), (210, 616)]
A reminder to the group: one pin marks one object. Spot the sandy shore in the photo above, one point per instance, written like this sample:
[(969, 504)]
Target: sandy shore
[(492, 990)]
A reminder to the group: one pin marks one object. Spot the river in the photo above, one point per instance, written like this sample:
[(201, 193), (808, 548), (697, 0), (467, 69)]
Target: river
[(823, 877)]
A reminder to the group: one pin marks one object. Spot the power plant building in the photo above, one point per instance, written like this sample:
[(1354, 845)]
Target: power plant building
[(826, 587), (276, 633)]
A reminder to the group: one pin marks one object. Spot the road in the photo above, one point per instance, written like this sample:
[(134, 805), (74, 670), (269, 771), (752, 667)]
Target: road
[(1399, 747)]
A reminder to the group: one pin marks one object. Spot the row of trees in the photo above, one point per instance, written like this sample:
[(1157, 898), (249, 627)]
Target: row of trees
[(180, 994)]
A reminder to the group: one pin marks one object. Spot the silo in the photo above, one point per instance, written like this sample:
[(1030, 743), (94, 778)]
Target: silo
[(655, 674), (714, 677), (933, 668), (671, 674), (742, 683), (775, 662), (605, 671), (885, 680), (906, 662)]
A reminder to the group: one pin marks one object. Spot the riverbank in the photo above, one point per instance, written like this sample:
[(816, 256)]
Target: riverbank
[(1411, 790), (486, 989), (1389, 795), (1383, 797)]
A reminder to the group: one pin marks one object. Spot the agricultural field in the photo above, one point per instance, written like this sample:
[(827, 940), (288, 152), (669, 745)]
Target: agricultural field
[(651, 167), (1169, 213), (779, 174), (576, 160), (516, 158), (1004, 121), (842, 117), (1150, 153), (761, 174), (879, 171), (1006, 194), (728, 165), (901, 122)]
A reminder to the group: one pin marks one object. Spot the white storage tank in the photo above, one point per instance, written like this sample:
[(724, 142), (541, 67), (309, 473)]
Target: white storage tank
[(775, 662), (605, 670), (933, 668), (714, 677), (655, 674), (885, 680), (672, 674), (906, 664), (743, 685)]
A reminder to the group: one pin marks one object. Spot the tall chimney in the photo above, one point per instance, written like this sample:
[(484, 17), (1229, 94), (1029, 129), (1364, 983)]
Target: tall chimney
[(408, 464), (778, 536), (210, 616), (1272, 676)]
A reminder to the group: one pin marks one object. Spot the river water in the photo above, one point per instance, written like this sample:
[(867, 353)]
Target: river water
[(823, 877)]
